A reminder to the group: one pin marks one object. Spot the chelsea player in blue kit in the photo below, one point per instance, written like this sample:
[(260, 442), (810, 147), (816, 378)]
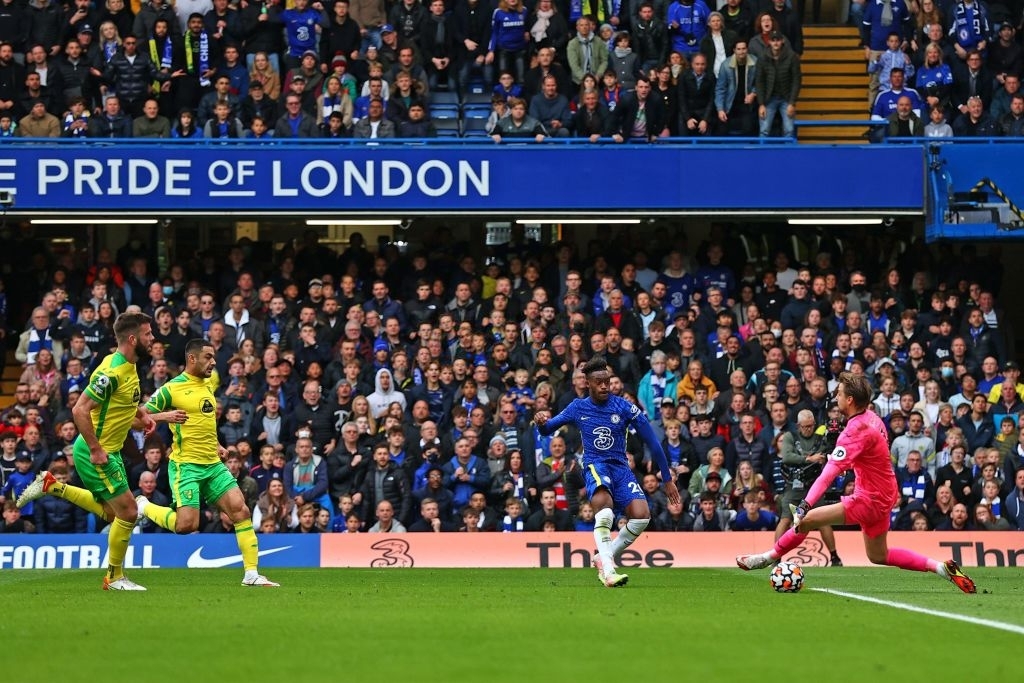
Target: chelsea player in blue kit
[(603, 421)]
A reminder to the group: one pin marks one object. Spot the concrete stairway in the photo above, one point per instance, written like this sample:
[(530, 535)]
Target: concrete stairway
[(835, 84)]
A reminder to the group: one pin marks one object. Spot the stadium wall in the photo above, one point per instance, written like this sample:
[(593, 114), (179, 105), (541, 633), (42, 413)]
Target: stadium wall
[(525, 550)]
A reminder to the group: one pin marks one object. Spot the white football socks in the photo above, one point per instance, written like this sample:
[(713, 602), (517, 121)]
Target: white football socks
[(628, 534), (603, 535)]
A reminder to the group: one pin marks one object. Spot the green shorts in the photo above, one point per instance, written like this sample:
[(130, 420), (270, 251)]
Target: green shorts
[(192, 484), (102, 481)]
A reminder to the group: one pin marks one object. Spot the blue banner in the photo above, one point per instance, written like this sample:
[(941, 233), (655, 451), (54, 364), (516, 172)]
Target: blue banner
[(152, 551), (257, 179)]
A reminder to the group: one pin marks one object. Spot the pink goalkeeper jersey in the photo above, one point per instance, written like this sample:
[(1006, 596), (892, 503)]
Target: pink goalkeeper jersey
[(864, 448)]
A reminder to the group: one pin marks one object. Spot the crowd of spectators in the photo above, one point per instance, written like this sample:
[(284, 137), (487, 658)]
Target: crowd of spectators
[(267, 68), (380, 391), (944, 68)]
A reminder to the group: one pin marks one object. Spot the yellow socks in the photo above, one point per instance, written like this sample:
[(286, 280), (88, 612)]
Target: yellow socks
[(80, 497), (248, 544), (161, 516), (117, 546)]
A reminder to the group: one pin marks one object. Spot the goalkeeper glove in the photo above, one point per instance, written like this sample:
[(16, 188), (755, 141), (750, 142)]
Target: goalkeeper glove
[(799, 511)]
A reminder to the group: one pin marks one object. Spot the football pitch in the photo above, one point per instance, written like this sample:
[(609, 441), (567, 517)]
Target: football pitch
[(509, 625)]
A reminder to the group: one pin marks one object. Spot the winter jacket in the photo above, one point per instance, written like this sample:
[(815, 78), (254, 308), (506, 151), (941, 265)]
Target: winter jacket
[(645, 394), (779, 77), (57, 516), (133, 80), (319, 479), (395, 489), (576, 58), (725, 87)]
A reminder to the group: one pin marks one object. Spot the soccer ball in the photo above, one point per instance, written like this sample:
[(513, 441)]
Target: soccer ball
[(787, 577)]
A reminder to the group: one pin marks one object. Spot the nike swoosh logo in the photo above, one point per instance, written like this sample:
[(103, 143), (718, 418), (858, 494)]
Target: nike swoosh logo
[(584, 419), (197, 561)]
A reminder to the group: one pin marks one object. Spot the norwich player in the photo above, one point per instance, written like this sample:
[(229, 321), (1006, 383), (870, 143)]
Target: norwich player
[(104, 413), (196, 471)]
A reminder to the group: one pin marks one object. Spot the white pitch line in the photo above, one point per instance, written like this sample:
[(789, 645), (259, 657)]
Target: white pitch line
[(1012, 628)]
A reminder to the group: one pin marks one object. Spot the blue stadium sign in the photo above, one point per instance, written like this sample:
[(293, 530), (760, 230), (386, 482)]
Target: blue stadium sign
[(257, 179), (152, 551)]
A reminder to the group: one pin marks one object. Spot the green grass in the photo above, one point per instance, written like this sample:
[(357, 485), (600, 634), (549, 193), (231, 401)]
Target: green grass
[(333, 625)]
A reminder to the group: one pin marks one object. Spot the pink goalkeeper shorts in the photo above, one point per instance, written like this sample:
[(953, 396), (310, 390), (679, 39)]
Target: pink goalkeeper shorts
[(869, 514)]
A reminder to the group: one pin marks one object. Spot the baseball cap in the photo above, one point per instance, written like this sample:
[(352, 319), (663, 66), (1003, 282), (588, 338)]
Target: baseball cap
[(775, 36), (1010, 365), (255, 85), (712, 476), (298, 78), (668, 401), (85, 28), (897, 413), (885, 361), (316, 282), (387, 28), (23, 455), (680, 313)]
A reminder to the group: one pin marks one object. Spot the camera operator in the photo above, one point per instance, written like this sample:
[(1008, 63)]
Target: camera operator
[(803, 456)]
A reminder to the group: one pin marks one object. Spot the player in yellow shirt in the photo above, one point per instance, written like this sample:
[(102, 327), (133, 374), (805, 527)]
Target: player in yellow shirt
[(104, 414), (196, 471)]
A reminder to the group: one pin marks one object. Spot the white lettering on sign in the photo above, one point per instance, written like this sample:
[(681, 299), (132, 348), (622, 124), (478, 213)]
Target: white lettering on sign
[(115, 177), (316, 178)]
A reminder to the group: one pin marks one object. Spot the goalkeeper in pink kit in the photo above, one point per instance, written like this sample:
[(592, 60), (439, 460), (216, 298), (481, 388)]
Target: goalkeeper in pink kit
[(864, 448)]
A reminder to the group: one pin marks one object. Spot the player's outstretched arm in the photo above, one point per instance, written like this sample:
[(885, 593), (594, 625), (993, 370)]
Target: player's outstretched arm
[(169, 416), (828, 475), (548, 424)]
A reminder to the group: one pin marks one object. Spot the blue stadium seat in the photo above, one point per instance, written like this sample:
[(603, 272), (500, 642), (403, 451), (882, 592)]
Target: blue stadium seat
[(444, 97), (444, 111), (474, 125), (447, 128), (477, 110), (477, 99)]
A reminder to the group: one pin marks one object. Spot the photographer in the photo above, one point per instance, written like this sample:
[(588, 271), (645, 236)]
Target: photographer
[(803, 456)]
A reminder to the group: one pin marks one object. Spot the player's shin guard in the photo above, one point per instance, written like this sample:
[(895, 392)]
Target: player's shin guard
[(628, 534), (603, 535), (81, 498), (117, 546), (247, 544), (789, 540), (909, 560), (165, 518)]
